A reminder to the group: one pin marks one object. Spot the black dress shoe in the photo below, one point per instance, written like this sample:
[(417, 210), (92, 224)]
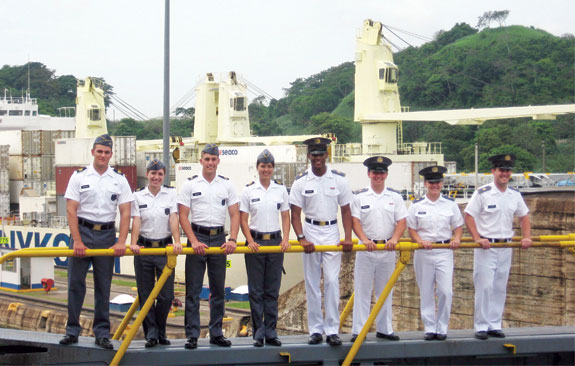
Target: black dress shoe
[(68, 340), (258, 342), (164, 341), (315, 338), (333, 340), (220, 341), (496, 333), (192, 343), (104, 343), (441, 337), (429, 336), (274, 341), (389, 337), (353, 338), (151, 342), (481, 335)]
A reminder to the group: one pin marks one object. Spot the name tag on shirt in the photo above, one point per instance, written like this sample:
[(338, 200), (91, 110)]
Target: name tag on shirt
[(85, 186), (309, 191), (196, 194), (422, 213), (492, 206), (255, 200), (143, 206), (364, 207)]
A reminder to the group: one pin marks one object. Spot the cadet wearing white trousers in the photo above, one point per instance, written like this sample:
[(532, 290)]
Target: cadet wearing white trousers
[(318, 192), (378, 217), (489, 218), (432, 219)]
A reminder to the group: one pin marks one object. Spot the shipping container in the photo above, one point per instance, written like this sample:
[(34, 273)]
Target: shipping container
[(32, 167), (4, 181), (14, 139), (31, 142), (4, 204), (49, 138), (4, 157), (124, 151), (47, 172), (16, 166), (15, 189), (63, 174)]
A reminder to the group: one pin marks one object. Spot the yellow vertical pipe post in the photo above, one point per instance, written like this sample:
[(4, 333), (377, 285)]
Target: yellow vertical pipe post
[(127, 319), (346, 311), (403, 260), (166, 273)]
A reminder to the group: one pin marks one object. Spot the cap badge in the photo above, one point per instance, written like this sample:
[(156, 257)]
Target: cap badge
[(380, 159), (317, 141), (434, 169), (507, 157)]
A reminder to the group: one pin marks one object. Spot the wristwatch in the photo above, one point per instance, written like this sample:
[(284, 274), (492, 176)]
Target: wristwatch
[(300, 237), (232, 239)]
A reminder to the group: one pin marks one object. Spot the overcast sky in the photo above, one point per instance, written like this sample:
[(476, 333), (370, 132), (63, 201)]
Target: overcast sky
[(270, 43)]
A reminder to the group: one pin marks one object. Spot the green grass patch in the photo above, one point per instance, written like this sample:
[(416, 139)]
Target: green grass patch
[(239, 305)]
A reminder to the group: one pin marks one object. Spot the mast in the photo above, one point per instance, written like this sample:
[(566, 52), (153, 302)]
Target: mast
[(166, 125)]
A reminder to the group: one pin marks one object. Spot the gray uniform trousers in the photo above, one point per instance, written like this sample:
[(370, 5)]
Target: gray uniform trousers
[(264, 279), (103, 268), (149, 268), (195, 269)]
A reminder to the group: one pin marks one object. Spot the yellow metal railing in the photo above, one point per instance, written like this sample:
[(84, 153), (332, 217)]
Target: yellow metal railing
[(404, 247)]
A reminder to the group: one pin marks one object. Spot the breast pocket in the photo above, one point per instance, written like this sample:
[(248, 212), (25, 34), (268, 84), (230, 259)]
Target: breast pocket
[(332, 192), (309, 192), (113, 193), (491, 207), (445, 217), (87, 193)]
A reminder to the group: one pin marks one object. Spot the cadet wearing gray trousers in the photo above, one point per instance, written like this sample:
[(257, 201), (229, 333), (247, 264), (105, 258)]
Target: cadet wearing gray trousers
[(265, 200), (155, 224), (93, 195)]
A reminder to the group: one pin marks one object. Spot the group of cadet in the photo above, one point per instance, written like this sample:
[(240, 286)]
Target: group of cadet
[(376, 214)]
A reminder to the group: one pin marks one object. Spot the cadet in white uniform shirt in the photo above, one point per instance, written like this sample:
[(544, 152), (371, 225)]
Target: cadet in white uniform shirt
[(489, 219), (318, 192), (207, 197), (378, 216), (432, 219), (155, 225), (93, 195), (263, 202)]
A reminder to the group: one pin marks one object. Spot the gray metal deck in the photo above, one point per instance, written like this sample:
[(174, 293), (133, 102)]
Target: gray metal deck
[(534, 346)]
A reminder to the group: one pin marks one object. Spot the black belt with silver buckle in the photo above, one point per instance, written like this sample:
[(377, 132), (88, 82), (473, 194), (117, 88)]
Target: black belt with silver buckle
[(265, 236), (157, 243), (380, 241), (97, 226), (320, 223), (211, 231), (492, 240)]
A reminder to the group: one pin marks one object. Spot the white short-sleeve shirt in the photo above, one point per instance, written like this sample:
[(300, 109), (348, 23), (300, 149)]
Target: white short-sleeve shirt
[(98, 195), (494, 210), (378, 213), (434, 221), (264, 205), (155, 211), (208, 201)]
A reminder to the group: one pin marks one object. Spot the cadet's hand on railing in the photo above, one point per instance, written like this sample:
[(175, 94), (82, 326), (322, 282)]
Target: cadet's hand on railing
[(369, 245), (426, 244), (308, 246), (390, 245), (199, 248), (255, 247), (454, 244), (526, 243), (135, 248), (119, 249), (285, 245), (177, 248), (229, 246), (79, 249), (485, 244), (347, 245)]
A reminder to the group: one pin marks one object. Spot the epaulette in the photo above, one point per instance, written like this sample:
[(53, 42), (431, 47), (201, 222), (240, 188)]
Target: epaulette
[(278, 182), (513, 188), (79, 170), (358, 191), (418, 200), (484, 189), (393, 190), (140, 189), (448, 198), (249, 184), (303, 174), (167, 186), (119, 171), (338, 172), (195, 176), (221, 176)]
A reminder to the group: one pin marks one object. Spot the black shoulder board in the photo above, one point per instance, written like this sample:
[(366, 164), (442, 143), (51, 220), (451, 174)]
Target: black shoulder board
[(221, 176), (448, 198), (393, 190), (140, 189), (358, 191), (338, 172), (249, 184), (81, 169), (418, 200), (303, 174), (167, 186), (484, 189), (513, 188), (278, 182), (118, 171)]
